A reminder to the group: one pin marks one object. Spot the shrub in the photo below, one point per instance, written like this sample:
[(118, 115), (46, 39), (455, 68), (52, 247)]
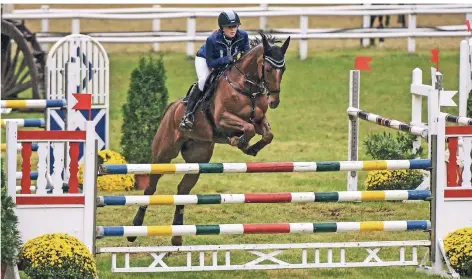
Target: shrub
[(458, 246), (385, 147), (143, 110), (469, 106), (11, 239), (57, 255)]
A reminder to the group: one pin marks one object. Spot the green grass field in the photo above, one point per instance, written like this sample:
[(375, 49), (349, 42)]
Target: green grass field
[(309, 125)]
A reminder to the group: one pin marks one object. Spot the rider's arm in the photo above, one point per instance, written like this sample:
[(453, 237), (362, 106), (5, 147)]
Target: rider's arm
[(212, 62)]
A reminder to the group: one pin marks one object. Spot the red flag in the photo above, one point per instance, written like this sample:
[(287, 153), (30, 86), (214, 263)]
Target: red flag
[(84, 102), (362, 63), (467, 23), (435, 58)]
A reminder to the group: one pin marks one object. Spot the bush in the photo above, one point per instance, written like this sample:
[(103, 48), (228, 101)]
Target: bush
[(469, 106), (458, 246), (393, 180), (143, 110), (110, 183), (385, 147), (11, 239), (57, 255)]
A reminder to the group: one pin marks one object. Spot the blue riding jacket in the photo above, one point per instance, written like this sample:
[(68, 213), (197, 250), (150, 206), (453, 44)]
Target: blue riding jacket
[(218, 53)]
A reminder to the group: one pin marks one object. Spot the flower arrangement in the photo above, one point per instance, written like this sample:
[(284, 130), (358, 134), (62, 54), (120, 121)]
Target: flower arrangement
[(458, 246), (57, 255), (393, 180)]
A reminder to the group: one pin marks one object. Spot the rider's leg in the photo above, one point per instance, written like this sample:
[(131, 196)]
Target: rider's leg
[(202, 73)]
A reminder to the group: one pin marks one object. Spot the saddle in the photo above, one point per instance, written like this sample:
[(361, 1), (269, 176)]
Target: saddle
[(208, 89)]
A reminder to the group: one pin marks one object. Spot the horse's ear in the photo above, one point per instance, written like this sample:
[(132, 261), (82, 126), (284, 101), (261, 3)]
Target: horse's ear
[(266, 44), (285, 45)]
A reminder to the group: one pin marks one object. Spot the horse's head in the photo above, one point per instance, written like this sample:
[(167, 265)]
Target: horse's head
[(262, 68), (271, 67)]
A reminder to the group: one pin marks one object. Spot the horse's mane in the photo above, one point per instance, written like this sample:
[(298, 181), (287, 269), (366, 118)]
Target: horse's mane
[(256, 41), (253, 43)]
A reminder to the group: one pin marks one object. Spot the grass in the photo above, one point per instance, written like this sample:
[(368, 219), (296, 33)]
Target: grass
[(309, 125)]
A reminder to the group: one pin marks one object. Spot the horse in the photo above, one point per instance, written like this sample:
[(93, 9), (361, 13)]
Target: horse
[(236, 112)]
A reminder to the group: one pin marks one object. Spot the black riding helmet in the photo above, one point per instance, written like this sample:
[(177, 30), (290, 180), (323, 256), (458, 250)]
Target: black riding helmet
[(228, 18)]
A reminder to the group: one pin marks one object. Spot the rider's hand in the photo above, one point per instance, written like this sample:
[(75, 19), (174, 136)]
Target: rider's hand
[(229, 58)]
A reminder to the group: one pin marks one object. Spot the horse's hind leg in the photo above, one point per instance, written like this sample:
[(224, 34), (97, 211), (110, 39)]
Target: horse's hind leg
[(192, 152)]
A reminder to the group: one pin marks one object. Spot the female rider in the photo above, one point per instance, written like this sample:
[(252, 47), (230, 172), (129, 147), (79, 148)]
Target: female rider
[(219, 50)]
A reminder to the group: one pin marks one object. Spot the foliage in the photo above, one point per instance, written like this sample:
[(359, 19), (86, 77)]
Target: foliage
[(458, 246), (385, 147), (143, 110), (469, 107), (57, 256), (110, 183), (11, 239)]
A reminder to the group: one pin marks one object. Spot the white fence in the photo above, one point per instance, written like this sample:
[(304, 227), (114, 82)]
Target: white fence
[(263, 12)]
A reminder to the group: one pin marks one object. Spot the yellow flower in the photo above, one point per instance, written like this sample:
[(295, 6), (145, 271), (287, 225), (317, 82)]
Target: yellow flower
[(56, 250), (110, 183), (458, 246)]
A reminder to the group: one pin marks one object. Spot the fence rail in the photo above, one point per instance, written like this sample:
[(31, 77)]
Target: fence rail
[(262, 11)]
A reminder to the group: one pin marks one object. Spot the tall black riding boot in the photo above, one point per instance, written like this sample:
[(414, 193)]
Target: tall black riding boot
[(188, 119)]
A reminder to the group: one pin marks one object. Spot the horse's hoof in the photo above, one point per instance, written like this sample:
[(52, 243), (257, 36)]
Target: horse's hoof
[(131, 238), (176, 241), (251, 152), (137, 221)]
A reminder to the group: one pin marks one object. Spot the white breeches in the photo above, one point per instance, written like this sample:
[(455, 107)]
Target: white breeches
[(202, 71)]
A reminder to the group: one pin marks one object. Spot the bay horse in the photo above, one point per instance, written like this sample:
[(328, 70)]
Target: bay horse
[(236, 113)]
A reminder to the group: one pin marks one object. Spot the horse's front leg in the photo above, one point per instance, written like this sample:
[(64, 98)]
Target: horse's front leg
[(262, 128), (233, 124)]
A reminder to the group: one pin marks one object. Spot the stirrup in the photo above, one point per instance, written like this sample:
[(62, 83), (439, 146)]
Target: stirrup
[(187, 121)]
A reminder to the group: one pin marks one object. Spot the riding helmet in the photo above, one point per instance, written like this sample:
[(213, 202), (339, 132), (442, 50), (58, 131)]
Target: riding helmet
[(228, 18)]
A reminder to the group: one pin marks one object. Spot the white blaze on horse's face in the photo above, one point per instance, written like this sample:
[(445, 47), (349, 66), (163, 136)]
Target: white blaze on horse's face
[(273, 69), (273, 79)]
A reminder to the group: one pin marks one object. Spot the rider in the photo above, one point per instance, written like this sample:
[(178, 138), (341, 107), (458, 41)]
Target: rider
[(220, 49)]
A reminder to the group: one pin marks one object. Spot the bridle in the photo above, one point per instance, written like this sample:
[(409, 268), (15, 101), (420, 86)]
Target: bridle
[(277, 64), (261, 83)]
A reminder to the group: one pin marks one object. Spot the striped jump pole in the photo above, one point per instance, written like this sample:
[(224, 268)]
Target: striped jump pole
[(459, 119), (284, 228), (34, 147), (394, 124), (39, 104), (326, 166), (299, 197), (33, 123)]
